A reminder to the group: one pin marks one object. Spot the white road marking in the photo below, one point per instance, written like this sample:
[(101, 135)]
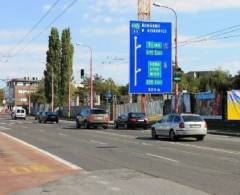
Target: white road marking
[(98, 142), (62, 134), (114, 189), (162, 157), (103, 182), (206, 148), (94, 176), (4, 128), (67, 163), (146, 144)]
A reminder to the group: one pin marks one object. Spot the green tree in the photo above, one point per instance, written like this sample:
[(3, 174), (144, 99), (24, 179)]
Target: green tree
[(38, 96), (52, 66), (236, 81), (217, 80), (66, 69)]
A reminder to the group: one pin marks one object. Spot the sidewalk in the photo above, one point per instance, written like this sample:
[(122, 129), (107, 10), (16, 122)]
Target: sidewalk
[(23, 166), (224, 132)]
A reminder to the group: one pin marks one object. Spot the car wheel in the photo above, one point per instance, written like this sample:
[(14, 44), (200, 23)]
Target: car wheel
[(78, 125), (105, 126), (145, 127), (86, 125), (116, 125), (172, 135), (154, 134), (200, 137), (56, 121), (39, 121)]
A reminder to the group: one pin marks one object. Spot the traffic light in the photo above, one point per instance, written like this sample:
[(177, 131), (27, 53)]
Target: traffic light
[(177, 75), (82, 73)]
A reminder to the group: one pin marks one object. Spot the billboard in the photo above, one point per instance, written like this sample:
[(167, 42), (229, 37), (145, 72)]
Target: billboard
[(208, 105), (233, 105), (150, 57)]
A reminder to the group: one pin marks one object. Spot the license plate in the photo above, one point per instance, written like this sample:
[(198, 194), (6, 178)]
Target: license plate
[(195, 126), (140, 120), (99, 118)]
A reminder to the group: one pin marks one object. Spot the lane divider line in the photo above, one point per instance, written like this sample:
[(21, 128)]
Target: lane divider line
[(162, 157), (65, 162), (4, 128), (98, 142)]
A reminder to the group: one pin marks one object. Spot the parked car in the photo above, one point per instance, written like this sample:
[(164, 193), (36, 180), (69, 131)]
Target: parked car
[(48, 116), (18, 113), (132, 120), (180, 125), (94, 117), (37, 115)]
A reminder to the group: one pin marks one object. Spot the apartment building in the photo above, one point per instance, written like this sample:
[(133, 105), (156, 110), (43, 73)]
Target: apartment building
[(18, 91)]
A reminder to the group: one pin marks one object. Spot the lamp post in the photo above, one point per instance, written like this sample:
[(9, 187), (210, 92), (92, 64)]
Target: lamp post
[(176, 49), (91, 80)]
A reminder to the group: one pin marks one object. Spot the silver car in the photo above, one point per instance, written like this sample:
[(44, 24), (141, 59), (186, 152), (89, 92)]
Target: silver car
[(180, 125)]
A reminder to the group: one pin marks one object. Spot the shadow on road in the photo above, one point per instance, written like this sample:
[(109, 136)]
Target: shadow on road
[(166, 139)]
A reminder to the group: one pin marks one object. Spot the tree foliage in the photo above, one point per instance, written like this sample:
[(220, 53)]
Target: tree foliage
[(52, 67), (39, 95), (65, 66)]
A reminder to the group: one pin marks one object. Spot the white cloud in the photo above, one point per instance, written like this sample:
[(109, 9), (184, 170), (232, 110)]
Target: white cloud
[(232, 66), (33, 49), (114, 5), (199, 5), (118, 30), (46, 7), (12, 34), (179, 5)]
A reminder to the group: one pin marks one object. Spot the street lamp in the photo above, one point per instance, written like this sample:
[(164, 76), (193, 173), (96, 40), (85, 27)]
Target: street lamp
[(176, 48), (91, 80)]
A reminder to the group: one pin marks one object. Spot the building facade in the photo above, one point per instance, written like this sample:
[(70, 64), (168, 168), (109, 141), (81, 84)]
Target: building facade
[(19, 90)]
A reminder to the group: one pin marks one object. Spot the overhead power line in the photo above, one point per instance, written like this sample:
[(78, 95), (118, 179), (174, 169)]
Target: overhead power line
[(220, 34), (34, 27), (48, 26)]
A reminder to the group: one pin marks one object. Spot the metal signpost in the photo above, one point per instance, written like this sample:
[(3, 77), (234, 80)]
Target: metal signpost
[(150, 58)]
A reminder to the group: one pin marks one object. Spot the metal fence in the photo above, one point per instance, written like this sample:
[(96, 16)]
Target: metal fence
[(153, 108)]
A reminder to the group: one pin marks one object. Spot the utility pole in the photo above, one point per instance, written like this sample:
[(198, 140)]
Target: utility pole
[(29, 99), (144, 14), (69, 94), (52, 103)]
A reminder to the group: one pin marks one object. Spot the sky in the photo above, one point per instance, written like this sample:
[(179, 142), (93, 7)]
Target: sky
[(104, 25)]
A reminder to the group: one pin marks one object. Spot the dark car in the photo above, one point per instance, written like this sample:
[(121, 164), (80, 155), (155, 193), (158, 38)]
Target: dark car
[(37, 115), (48, 116), (94, 117), (132, 120)]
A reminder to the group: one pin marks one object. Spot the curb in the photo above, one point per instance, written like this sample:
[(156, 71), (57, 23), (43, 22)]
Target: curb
[(224, 133)]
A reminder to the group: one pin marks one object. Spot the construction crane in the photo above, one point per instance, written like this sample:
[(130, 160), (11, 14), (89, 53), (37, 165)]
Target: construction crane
[(144, 14), (144, 10)]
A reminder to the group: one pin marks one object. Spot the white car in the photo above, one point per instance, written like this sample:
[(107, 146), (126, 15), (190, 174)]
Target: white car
[(180, 125), (18, 113)]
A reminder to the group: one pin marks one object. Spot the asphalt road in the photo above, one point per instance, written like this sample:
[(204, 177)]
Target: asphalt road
[(183, 167)]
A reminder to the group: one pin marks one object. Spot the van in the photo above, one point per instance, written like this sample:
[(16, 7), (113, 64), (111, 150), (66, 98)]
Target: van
[(18, 113)]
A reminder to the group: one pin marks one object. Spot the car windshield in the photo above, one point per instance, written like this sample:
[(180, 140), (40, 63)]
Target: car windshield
[(98, 111), (51, 113), (192, 118), (137, 115)]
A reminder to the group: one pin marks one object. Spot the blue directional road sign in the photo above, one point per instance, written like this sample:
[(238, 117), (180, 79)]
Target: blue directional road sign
[(150, 57)]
